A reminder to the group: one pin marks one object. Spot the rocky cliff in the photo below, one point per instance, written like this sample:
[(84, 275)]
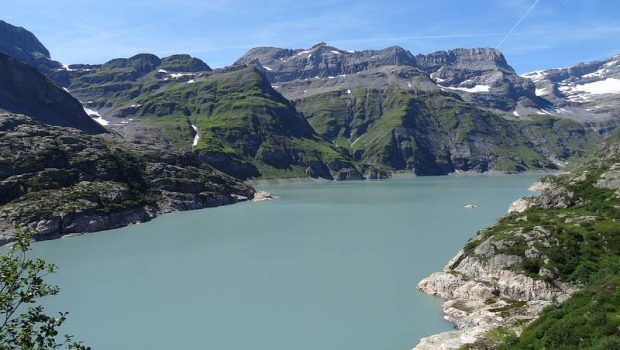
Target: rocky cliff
[(321, 60), (480, 74)]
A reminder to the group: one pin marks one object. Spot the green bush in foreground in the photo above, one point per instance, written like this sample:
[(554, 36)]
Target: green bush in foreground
[(23, 323)]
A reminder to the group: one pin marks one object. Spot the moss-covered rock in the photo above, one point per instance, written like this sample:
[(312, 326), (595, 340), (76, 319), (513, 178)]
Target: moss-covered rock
[(62, 181)]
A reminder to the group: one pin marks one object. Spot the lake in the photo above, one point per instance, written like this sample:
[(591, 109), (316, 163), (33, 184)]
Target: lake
[(326, 266)]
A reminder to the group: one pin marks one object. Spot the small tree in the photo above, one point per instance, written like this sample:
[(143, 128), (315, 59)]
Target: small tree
[(23, 323)]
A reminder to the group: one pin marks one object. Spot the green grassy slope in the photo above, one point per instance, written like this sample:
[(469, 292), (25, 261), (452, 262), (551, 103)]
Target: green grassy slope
[(437, 132), (245, 127)]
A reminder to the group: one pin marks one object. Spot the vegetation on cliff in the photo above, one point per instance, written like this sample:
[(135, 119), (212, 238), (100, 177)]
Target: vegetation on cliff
[(579, 214)]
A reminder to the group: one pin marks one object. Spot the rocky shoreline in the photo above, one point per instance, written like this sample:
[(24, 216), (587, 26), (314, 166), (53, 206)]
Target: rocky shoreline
[(483, 296), (78, 224), (484, 293)]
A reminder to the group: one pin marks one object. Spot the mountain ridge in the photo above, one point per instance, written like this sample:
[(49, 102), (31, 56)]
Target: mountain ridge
[(375, 109)]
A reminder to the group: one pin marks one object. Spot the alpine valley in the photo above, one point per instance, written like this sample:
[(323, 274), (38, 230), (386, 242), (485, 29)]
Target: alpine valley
[(91, 147)]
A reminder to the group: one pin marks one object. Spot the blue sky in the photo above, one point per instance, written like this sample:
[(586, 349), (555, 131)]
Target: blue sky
[(555, 33)]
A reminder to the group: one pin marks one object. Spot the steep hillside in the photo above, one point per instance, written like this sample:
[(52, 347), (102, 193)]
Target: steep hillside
[(24, 90), (438, 132), (546, 275), (245, 128), (18, 42)]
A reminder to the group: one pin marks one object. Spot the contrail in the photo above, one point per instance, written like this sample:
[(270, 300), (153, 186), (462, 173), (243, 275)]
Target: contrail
[(517, 24)]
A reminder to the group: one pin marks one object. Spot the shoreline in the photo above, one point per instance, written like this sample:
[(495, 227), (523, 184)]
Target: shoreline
[(114, 220), (481, 294), (394, 175)]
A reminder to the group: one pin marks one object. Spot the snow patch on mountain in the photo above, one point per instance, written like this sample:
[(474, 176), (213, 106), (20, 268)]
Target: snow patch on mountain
[(196, 137), (475, 89), (607, 86)]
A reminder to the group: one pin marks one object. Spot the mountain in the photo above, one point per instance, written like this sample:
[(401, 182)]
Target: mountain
[(22, 44), (335, 114), (545, 275), (107, 87), (18, 42), (232, 118), (588, 91), (321, 68), (321, 60), (434, 114), (244, 127), (62, 173), (24, 90)]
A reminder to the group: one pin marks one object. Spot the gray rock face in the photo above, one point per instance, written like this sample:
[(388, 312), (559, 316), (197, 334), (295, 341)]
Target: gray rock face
[(471, 59), (484, 291), (20, 43), (588, 91), (481, 70), (321, 60), (25, 90)]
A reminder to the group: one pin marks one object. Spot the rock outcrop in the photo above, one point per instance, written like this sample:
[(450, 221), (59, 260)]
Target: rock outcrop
[(540, 255), (485, 290), (61, 181)]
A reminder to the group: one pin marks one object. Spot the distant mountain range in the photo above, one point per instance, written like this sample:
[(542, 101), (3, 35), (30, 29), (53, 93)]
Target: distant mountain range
[(319, 112), (330, 113), (587, 91)]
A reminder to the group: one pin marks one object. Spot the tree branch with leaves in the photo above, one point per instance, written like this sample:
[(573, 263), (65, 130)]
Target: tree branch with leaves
[(23, 322)]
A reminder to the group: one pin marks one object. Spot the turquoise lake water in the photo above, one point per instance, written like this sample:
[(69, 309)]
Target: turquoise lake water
[(326, 266)]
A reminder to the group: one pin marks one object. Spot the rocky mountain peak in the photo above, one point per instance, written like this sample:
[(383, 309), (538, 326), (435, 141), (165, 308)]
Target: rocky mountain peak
[(321, 60), (183, 63), (142, 63), (472, 58), (22, 44), (319, 45), (17, 41)]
